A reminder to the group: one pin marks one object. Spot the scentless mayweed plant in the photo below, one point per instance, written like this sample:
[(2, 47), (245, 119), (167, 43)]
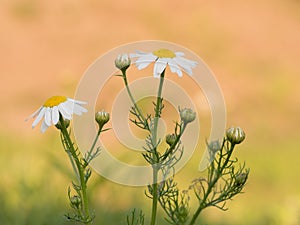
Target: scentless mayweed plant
[(223, 178)]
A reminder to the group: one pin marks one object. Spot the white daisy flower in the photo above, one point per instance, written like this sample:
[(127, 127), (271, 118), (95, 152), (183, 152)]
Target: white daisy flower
[(162, 58), (53, 108)]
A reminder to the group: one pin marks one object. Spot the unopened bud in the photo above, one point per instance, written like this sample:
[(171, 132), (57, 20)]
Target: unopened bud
[(102, 118), (75, 201), (66, 123), (241, 179), (187, 115), (170, 139), (235, 135), (122, 62)]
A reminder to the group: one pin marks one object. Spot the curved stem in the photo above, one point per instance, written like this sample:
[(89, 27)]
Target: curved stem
[(132, 98), (211, 185), (79, 169)]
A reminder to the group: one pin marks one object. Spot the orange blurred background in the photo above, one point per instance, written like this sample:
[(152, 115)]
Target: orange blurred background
[(251, 46)]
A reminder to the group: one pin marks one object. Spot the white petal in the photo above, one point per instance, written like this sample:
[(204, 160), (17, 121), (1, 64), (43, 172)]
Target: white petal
[(146, 58), (137, 54), (34, 114), (77, 101), (159, 67), (141, 66), (63, 112), (185, 64), (44, 127), (145, 61), (47, 119), (174, 67), (55, 115), (39, 117), (68, 107), (78, 109)]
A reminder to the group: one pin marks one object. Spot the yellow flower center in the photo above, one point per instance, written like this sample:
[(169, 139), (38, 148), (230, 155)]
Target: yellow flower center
[(164, 53), (55, 101)]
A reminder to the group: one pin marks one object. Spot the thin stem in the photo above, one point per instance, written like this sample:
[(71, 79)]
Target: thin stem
[(211, 185), (155, 197), (96, 139), (79, 169), (131, 97), (155, 155), (158, 105)]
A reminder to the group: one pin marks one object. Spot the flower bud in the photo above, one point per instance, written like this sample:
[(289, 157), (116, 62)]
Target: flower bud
[(187, 115), (235, 135), (122, 62), (241, 179), (102, 118), (75, 201), (170, 139), (66, 122)]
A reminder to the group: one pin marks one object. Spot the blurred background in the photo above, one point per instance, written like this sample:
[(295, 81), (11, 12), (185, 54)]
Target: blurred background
[(251, 46)]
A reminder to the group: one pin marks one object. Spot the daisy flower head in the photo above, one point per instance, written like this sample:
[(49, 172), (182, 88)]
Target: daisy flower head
[(163, 58), (55, 107)]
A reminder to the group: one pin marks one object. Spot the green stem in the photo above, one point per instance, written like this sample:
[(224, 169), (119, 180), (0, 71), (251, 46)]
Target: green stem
[(132, 98), (79, 169), (155, 197), (211, 185), (157, 108), (96, 139), (155, 155)]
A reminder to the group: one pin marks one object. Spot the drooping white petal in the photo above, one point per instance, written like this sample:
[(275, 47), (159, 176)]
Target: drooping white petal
[(142, 65), (78, 109), (34, 114), (55, 115), (47, 117), (68, 107), (63, 112), (44, 126), (159, 67), (174, 67), (185, 64), (39, 117)]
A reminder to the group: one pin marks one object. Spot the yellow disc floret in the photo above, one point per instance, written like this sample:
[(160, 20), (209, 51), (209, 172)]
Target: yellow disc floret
[(164, 53), (55, 101)]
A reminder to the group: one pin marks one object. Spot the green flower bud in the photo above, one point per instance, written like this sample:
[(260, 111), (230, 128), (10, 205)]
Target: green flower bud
[(66, 122), (102, 118), (235, 135), (241, 179), (187, 115), (75, 201), (170, 139), (122, 62)]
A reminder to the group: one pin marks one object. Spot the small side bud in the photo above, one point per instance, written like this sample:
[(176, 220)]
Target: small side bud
[(59, 125), (235, 135), (101, 118), (187, 115), (122, 62), (241, 179), (170, 139), (75, 201)]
